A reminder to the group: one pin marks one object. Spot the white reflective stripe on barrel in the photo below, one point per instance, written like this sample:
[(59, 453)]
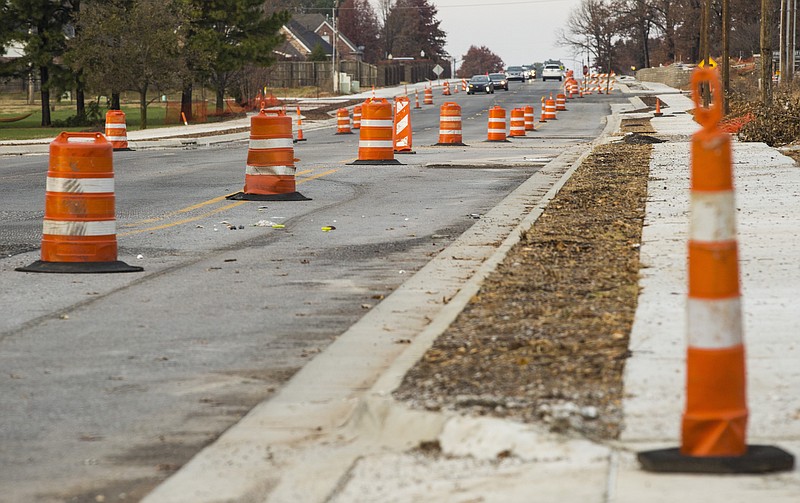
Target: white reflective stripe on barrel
[(80, 185), (73, 228), (715, 324), (269, 170), (713, 216), (377, 123), (375, 144), (271, 143)]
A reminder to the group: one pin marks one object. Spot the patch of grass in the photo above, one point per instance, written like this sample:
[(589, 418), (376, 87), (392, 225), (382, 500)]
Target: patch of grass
[(30, 128)]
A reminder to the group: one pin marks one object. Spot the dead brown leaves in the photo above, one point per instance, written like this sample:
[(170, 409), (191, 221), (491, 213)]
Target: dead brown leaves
[(546, 338)]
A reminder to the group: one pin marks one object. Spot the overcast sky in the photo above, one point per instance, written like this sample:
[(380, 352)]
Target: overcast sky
[(519, 31)]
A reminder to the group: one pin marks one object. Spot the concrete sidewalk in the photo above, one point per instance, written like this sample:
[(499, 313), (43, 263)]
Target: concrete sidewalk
[(350, 449)]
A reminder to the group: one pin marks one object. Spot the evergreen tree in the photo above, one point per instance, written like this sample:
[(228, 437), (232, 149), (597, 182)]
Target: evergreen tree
[(231, 34), (414, 30)]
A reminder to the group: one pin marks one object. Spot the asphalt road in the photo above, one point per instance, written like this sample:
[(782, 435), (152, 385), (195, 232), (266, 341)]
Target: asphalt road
[(111, 382)]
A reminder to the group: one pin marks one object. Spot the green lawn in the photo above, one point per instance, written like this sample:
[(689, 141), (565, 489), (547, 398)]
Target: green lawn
[(30, 128)]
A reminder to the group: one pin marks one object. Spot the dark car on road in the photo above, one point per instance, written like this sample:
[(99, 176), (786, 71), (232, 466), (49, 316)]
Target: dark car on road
[(480, 83), (499, 80), (515, 73)]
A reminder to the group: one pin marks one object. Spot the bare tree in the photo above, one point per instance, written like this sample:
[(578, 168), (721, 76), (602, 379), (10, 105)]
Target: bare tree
[(593, 27), (638, 20), (133, 47)]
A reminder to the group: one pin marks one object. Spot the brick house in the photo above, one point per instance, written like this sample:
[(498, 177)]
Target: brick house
[(305, 31)]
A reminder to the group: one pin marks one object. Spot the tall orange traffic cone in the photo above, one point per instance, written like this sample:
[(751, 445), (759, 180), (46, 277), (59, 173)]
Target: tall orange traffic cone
[(658, 108), (270, 172), (543, 115), (79, 230), (299, 127), (713, 430)]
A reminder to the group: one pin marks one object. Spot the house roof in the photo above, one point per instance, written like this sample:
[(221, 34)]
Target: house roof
[(309, 21), (307, 38), (314, 22)]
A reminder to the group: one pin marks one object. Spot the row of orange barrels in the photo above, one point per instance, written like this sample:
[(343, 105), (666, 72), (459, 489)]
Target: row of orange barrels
[(391, 124)]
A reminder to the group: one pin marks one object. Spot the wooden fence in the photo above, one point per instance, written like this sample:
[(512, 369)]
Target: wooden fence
[(286, 74)]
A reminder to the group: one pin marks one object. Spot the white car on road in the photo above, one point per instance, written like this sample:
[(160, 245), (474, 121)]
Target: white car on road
[(552, 72)]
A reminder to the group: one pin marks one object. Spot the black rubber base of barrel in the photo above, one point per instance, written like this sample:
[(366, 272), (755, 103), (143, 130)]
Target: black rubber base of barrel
[(498, 141), (450, 145), (757, 459), (289, 196), (345, 133), (404, 152), (80, 267), (374, 163), (126, 149)]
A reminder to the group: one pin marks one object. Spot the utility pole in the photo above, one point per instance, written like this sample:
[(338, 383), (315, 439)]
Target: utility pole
[(766, 54), (791, 25), (726, 54), (704, 21), (335, 72), (782, 53)]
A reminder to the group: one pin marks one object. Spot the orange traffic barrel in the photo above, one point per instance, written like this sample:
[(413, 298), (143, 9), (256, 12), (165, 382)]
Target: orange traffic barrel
[(79, 232), (550, 108), (403, 140), (497, 124), (117, 130), (376, 143), (357, 117), (517, 122), (270, 171), (450, 125), (343, 121), (529, 118), (561, 102), (428, 96), (446, 89), (714, 423)]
